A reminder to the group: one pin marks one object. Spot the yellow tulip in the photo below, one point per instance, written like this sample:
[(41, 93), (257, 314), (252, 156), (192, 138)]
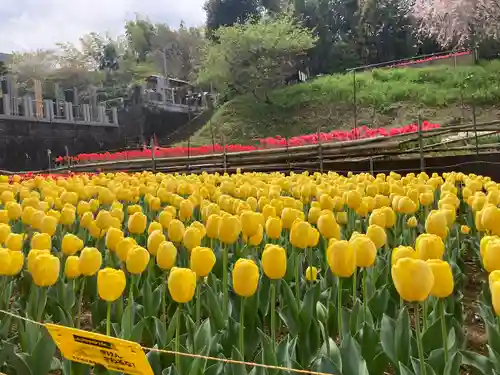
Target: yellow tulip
[(165, 217), (274, 261), (27, 215), (429, 246), (191, 238), (377, 235), (412, 222), (213, 222), (137, 260), (353, 199), (401, 252), (229, 229), (68, 216), (154, 225), (313, 237), (299, 234), (366, 251), (268, 211), (4, 262), (443, 278), (166, 255), (328, 227), (483, 243), (491, 256), (202, 261), (137, 223), (288, 216), (86, 219), (41, 241), (413, 279), (186, 210), (49, 225), (181, 284), (124, 246), (273, 228), (113, 236), (464, 229), (436, 223), (245, 277), (32, 255), (14, 241), (72, 267), (341, 258), (71, 244), (495, 297), (249, 223), (36, 219), (341, 217), (45, 270), (311, 273), (176, 231), (155, 204), (154, 240), (110, 284), (16, 262), (426, 198), (14, 210), (390, 216), (406, 206), (90, 261), (4, 232)]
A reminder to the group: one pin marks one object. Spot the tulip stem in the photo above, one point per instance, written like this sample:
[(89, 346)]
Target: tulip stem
[(273, 313), (419, 340), (164, 299), (225, 286), (365, 293), (131, 300), (108, 320), (424, 317), (354, 286), (80, 303), (198, 304), (310, 254), (242, 328), (297, 278), (443, 330), (339, 307), (178, 339)]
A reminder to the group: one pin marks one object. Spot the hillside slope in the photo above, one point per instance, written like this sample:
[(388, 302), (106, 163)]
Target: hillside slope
[(385, 97)]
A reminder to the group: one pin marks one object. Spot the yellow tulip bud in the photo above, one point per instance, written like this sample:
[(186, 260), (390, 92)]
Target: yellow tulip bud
[(90, 261), (289, 215), (378, 217), (328, 227), (268, 211), (249, 223), (154, 225), (406, 206), (14, 210), (299, 234), (45, 270), (166, 255), (4, 232), (202, 261), (213, 222), (191, 238), (155, 204), (311, 273), (36, 219), (41, 241), (273, 228), (176, 231), (274, 261), (412, 222), (124, 246), (137, 223), (71, 244), (186, 210), (341, 258), (401, 252), (426, 198), (491, 258), (313, 237), (110, 284), (245, 277), (16, 262), (68, 216), (436, 223), (86, 219), (464, 229), (14, 241), (165, 217), (137, 260), (366, 251), (443, 278), (5, 262), (32, 255), (82, 207), (49, 225), (377, 235), (229, 229), (495, 296), (27, 215), (353, 199), (113, 236), (72, 267), (154, 240), (429, 246), (181, 284), (200, 227), (341, 217), (413, 279)]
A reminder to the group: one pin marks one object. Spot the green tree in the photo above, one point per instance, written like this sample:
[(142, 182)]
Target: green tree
[(229, 12), (255, 57), (3, 68)]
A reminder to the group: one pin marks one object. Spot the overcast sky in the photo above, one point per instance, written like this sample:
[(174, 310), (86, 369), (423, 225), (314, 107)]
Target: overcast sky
[(32, 24)]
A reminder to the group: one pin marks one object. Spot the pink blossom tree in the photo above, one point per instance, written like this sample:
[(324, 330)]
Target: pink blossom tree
[(458, 23)]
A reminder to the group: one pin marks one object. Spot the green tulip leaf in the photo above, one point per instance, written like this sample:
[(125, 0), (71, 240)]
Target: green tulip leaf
[(237, 369), (453, 365), (155, 361), (432, 337), (307, 311), (215, 311), (387, 339), (203, 335), (403, 370), (160, 332), (325, 365), (41, 358), (478, 363), (429, 370), (352, 360), (436, 360), (402, 336)]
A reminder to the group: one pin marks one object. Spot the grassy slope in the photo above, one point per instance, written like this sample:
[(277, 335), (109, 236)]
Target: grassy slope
[(386, 97)]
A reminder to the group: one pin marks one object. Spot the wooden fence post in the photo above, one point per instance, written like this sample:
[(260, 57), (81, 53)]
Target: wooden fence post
[(474, 124), (225, 155), (320, 151), (68, 162), (49, 153), (371, 165), (153, 159)]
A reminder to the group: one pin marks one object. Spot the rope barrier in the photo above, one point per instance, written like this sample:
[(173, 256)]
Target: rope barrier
[(191, 355)]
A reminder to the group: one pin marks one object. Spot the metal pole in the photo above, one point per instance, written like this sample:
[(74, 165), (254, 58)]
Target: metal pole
[(355, 105), (189, 152), (153, 159), (225, 154), (49, 153), (475, 127), (421, 145), (68, 163), (371, 165)]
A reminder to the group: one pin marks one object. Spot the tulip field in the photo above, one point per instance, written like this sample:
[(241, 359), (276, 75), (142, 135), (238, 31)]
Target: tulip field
[(319, 273)]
